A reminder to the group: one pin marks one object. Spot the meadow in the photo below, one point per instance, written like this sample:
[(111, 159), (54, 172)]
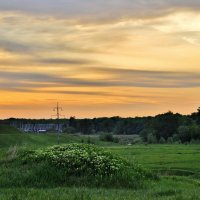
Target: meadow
[(178, 167)]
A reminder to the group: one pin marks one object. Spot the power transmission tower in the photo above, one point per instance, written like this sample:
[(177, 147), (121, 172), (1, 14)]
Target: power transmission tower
[(57, 109)]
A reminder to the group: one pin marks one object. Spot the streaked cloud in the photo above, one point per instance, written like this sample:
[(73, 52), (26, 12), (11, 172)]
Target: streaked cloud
[(133, 56), (65, 61), (97, 10), (117, 78)]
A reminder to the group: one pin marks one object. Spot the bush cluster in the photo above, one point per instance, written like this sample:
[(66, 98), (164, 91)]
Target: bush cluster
[(79, 165), (78, 159)]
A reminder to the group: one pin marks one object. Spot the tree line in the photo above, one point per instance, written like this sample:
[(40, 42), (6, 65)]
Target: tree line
[(163, 128)]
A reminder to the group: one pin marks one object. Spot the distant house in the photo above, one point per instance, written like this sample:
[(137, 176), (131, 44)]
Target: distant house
[(42, 131)]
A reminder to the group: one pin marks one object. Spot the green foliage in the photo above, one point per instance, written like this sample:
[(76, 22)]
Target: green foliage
[(195, 131), (195, 141), (70, 130), (184, 133), (165, 125), (146, 132), (176, 138), (107, 137), (162, 140), (151, 139), (77, 159), (170, 140), (88, 162), (116, 140)]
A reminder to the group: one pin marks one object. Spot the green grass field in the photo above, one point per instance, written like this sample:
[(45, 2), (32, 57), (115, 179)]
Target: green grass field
[(178, 166)]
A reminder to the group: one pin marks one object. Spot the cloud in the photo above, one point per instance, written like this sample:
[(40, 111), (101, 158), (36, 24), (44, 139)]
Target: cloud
[(65, 61), (38, 82), (152, 79), (13, 46), (28, 79), (98, 10)]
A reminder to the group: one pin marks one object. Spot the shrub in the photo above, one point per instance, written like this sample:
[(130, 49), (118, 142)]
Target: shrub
[(162, 140), (176, 139), (116, 140), (89, 140), (88, 163), (107, 137), (184, 133), (70, 130), (195, 141), (170, 140), (137, 140), (151, 139), (77, 159)]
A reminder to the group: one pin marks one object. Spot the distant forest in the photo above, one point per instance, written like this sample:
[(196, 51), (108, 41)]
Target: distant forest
[(163, 128)]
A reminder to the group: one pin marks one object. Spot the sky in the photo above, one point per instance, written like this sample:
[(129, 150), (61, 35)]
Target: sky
[(99, 58)]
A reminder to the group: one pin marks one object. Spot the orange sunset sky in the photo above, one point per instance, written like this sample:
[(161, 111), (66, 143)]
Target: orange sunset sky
[(99, 58)]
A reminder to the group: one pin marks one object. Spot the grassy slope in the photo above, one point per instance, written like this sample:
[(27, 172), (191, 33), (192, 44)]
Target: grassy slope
[(10, 136), (166, 157), (5, 129), (34, 140)]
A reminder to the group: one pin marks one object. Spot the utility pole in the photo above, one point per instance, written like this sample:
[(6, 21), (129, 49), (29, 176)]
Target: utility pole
[(57, 109)]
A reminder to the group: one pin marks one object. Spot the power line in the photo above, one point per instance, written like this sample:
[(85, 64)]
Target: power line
[(57, 109)]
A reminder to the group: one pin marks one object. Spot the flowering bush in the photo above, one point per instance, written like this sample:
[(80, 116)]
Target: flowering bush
[(78, 159), (79, 165)]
